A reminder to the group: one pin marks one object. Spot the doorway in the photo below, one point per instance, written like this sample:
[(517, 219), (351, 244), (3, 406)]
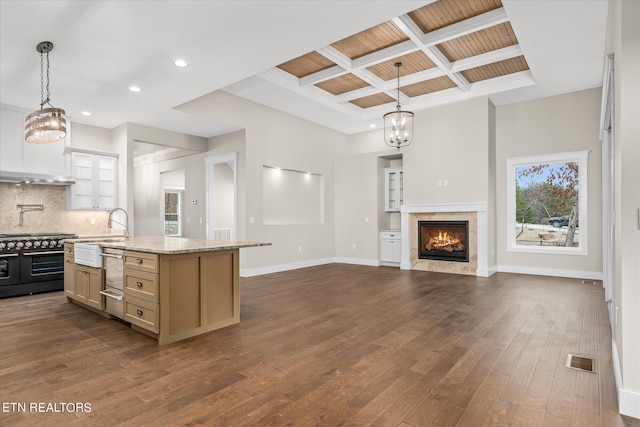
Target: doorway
[(222, 188)]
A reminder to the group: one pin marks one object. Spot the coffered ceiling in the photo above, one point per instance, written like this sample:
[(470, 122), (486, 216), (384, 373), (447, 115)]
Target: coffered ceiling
[(330, 62), (448, 50)]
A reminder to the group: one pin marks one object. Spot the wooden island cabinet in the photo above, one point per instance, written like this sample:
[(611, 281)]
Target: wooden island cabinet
[(176, 288)]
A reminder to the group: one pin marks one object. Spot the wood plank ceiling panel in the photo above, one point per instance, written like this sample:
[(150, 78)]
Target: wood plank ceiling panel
[(446, 12), (371, 40), (342, 84), (307, 64), (480, 42), (497, 69), (428, 86), (372, 100), (411, 63)]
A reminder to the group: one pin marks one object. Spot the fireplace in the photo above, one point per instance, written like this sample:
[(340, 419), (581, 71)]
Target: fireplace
[(443, 240)]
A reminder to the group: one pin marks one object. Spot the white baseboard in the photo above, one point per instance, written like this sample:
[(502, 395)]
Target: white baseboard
[(259, 271), (357, 261), (590, 275), (486, 272), (575, 274), (628, 401), (251, 272)]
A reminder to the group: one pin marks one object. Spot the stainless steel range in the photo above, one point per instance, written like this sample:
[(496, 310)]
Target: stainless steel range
[(31, 263)]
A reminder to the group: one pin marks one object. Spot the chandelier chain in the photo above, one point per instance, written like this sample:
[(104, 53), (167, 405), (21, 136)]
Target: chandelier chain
[(41, 80), (398, 106), (47, 101)]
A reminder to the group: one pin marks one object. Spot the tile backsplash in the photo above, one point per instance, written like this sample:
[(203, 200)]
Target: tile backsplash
[(53, 218)]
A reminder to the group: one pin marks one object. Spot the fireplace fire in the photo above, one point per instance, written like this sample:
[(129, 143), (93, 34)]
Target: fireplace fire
[(443, 240)]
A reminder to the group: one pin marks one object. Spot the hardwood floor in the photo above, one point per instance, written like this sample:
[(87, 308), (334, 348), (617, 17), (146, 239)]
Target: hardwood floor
[(330, 345)]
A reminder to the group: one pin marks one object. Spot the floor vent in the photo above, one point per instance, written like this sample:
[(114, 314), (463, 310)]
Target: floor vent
[(580, 363)]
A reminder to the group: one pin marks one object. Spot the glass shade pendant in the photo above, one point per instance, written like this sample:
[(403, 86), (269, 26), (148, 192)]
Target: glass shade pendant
[(47, 124), (398, 125)]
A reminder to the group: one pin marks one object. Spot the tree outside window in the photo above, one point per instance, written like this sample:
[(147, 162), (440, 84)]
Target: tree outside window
[(547, 200), (172, 212)]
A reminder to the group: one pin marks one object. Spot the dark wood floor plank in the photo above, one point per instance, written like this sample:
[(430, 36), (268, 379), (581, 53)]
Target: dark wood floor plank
[(330, 345)]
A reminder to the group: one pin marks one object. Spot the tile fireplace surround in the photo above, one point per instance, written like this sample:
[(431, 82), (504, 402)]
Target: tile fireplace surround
[(475, 213)]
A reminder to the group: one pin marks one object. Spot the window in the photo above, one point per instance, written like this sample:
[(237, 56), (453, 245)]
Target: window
[(547, 203), (173, 212)]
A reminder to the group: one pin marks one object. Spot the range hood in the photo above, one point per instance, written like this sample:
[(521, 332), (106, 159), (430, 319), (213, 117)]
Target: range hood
[(35, 178)]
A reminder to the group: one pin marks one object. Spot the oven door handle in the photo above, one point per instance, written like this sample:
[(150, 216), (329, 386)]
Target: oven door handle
[(110, 295), (8, 255), (42, 253), (111, 256)]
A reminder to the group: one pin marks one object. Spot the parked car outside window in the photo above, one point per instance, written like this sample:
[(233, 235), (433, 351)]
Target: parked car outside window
[(560, 221)]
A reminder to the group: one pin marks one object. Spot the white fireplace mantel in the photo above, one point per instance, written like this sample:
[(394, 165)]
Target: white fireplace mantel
[(479, 208)]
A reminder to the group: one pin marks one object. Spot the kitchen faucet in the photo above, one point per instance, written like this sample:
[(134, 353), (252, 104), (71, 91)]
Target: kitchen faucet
[(125, 225)]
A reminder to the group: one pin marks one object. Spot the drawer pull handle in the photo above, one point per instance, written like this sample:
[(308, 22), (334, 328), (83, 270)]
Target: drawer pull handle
[(139, 312), (139, 284), (139, 261)]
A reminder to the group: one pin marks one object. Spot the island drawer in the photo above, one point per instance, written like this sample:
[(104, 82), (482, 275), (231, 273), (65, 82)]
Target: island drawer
[(142, 313), (141, 284), (141, 261)]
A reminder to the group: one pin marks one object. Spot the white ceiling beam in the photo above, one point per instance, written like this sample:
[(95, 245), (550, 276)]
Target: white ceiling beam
[(279, 77), (415, 34), (385, 54), (321, 76), (482, 88), (339, 58), (487, 58), (445, 66), (334, 55), (390, 87), (462, 28), (358, 93)]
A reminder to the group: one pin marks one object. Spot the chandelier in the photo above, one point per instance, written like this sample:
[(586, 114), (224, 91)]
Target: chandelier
[(398, 125), (47, 124)]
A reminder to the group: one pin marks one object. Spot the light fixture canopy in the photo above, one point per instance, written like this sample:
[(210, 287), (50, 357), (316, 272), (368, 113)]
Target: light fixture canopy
[(46, 124), (398, 124)]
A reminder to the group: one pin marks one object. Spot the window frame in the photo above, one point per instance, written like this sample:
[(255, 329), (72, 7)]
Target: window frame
[(180, 192), (580, 157)]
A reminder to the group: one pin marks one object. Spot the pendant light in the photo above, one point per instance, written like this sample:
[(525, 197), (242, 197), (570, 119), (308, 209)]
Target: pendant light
[(398, 125), (47, 124)]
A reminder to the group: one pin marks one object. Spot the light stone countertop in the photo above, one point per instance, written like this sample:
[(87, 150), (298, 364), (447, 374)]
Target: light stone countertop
[(167, 245)]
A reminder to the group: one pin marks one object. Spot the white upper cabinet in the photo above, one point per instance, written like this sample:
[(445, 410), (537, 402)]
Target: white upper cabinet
[(17, 155), (95, 185), (393, 196)]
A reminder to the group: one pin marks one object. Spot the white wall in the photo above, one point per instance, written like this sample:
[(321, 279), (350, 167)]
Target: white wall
[(623, 39), (277, 139), (555, 124), (358, 216), (224, 194), (452, 143), (91, 138)]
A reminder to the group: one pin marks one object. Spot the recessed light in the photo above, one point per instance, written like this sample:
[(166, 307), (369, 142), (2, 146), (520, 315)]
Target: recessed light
[(180, 63), (372, 125), (86, 113), (134, 89)]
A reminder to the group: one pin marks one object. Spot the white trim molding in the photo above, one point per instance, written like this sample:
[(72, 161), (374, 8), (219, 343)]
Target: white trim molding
[(259, 271), (628, 401), (573, 274), (580, 157)]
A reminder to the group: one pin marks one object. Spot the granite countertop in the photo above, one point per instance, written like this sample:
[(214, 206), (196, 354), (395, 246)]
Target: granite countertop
[(166, 245)]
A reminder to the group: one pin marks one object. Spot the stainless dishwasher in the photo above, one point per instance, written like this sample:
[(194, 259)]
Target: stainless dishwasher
[(114, 281)]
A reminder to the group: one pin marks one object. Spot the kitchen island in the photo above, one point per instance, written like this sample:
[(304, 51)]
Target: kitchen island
[(174, 288)]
